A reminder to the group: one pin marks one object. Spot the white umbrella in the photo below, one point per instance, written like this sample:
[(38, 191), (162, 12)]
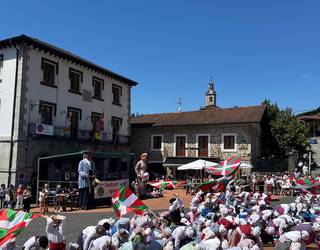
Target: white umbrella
[(197, 165), (245, 166)]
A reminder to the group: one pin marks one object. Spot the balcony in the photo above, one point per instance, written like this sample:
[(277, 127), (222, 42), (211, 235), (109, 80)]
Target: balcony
[(37, 130)]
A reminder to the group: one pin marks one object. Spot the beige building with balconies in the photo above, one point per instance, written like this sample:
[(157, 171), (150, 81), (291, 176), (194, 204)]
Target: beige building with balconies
[(55, 102)]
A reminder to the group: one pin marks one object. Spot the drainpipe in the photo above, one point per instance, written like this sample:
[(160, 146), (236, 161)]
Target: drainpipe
[(13, 113)]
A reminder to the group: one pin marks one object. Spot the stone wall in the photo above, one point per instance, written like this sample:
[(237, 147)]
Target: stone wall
[(248, 140)]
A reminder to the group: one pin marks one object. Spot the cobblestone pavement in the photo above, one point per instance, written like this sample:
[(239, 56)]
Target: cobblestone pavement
[(78, 220)]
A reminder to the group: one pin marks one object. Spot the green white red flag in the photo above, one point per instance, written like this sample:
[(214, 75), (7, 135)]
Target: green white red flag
[(124, 201), (309, 186), (163, 184), (218, 185), (12, 223), (225, 168)]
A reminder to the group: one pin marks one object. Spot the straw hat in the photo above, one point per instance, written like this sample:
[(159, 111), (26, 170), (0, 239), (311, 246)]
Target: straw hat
[(95, 182), (58, 217)]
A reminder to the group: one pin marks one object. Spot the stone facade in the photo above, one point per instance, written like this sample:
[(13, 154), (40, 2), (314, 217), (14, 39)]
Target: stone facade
[(248, 140)]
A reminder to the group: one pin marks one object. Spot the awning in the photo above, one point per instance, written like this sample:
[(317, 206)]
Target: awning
[(245, 166), (179, 161), (197, 165), (95, 155)]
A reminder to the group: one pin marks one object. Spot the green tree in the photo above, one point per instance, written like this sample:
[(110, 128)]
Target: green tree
[(283, 132)]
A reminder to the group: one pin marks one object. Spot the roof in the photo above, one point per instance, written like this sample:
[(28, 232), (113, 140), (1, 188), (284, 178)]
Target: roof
[(250, 114), (64, 54), (315, 111), (309, 117)]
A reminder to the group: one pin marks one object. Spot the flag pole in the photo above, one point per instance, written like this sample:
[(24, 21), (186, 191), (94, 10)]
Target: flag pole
[(153, 214)]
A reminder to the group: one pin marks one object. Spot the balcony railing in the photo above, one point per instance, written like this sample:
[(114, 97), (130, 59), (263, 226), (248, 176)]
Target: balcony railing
[(37, 131)]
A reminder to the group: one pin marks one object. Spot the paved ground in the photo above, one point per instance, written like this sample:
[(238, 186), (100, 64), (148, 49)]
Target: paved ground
[(78, 220)]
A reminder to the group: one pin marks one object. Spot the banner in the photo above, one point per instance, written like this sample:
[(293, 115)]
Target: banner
[(98, 136), (106, 189), (43, 129)]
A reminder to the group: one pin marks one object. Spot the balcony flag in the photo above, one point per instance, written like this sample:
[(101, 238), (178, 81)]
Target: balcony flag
[(99, 128)]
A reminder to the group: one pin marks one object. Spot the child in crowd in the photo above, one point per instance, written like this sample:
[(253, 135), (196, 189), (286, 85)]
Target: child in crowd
[(11, 197), (19, 193), (2, 195), (27, 199), (43, 198)]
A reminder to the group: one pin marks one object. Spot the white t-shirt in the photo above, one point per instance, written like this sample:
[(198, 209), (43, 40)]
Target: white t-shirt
[(32, 244), (54, 232), (101, 243)]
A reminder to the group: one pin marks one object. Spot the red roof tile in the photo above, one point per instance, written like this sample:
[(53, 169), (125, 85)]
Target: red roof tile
[(250, 114)]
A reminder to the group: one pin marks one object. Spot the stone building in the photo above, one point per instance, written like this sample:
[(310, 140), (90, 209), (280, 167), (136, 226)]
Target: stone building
[(312, 118), (55, 102), (211, 133)]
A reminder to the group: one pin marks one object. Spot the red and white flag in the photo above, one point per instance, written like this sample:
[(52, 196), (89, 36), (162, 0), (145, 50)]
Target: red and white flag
[(225, 168), (12, 223), (124, 201)]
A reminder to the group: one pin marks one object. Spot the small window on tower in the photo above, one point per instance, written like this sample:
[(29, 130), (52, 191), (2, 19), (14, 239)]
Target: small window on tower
[(1, 65), (210, 99), (1, 61)]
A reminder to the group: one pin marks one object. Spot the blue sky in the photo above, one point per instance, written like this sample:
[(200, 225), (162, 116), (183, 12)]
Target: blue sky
[(253, 49)]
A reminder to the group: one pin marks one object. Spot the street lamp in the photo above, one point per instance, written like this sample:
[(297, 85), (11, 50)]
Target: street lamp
[(309, 156)]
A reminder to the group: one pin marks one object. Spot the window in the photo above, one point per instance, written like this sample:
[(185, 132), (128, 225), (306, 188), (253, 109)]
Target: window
[(47, 110), (1, 65), (1, 62), (203, 141), (50, 69), (116, 92), (74, 115), (156, 142), (180, 145), (97, 87), (229, 142), (116, 125), (75, 77)]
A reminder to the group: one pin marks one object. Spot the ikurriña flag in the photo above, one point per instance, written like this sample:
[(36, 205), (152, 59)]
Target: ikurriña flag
[(309, 186), (163, 184), (225, 168), (218, 185), (124, 201), (12, 222)]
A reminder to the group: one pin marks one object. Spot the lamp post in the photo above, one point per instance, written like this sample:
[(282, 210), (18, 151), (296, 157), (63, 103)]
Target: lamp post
[(309, 157)]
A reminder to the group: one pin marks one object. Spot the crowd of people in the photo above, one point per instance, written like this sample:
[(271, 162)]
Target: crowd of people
[(15, 198), (235, 219), (239, 218)]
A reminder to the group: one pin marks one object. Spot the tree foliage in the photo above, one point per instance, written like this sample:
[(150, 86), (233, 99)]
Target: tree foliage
[(283, 133)]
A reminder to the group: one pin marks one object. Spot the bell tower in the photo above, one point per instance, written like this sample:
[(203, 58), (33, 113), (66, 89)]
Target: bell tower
[(211, 94)]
